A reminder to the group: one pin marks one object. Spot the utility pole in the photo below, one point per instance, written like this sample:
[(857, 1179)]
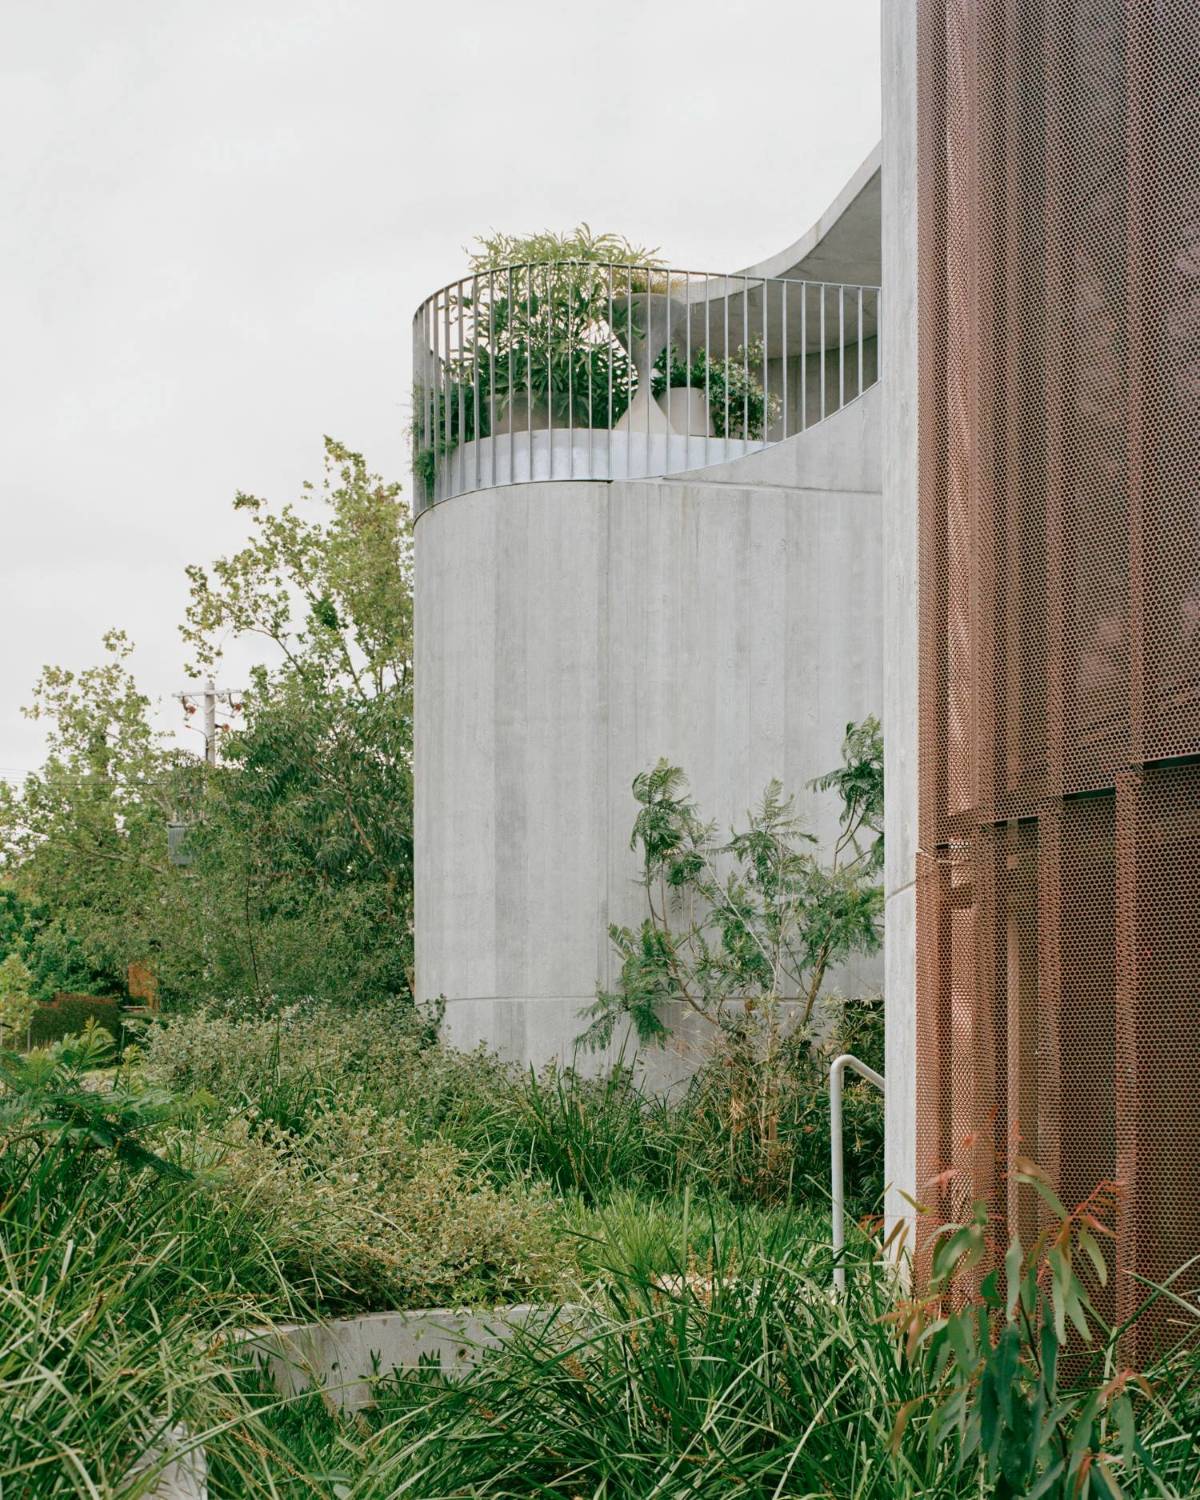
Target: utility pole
[(177, 850), (210, 694), (210, 722)]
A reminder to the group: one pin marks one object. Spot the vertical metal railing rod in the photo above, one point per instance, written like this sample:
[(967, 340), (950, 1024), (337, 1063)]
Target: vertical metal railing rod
[(548, 295), (745, 359), (859, 391), (837, 1073), (444, 378), (803, 355), (475, 368), (512, 436), (783, 316), (460, 446), (529, 366), (725, 367), (611, 346), (646, 461), (687, 357), (667, 366), (765, 365), (588, 335), (823, 359), (707, 353), (492, 370)]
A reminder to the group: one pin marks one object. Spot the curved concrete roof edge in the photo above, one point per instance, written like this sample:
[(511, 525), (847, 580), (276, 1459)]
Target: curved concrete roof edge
[(787, 260)]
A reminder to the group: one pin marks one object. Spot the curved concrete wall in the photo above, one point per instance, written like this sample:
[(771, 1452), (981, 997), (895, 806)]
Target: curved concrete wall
[(569, 634)]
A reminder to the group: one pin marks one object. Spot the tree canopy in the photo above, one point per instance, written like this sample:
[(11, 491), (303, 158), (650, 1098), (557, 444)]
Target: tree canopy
[(299, 840)]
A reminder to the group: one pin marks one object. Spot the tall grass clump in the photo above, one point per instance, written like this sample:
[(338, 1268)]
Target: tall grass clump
[(114, 1339), (736, 1372), (734, 1375)]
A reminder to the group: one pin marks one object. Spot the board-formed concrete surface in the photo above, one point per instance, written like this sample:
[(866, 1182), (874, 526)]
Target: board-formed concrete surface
[(568, 634)]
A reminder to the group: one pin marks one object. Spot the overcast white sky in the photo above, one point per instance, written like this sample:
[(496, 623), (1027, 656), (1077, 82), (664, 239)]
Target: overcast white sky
[(217, 217)]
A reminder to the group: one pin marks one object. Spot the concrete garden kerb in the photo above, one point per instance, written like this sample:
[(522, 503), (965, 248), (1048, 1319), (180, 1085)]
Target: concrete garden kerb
[(344, 1356)]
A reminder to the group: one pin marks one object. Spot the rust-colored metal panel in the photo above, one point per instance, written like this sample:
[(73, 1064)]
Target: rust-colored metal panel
[(1058, 969), (1158, 1031)]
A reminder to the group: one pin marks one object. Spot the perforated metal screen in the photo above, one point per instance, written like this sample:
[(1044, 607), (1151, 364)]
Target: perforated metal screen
[(1059, 443)]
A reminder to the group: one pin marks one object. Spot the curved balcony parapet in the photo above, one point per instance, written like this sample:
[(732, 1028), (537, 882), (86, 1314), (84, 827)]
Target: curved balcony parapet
[(595, 370)]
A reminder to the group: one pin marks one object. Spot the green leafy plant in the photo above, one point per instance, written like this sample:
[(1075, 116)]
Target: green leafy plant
[(52, 952), (47, 1100), (547, 322), (753, 1120), (738, 405), (543, 313), (741, 934), (998, 1360), (737, 926)]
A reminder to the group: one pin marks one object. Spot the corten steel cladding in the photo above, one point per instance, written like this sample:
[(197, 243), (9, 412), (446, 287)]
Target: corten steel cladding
[(1058, 973)]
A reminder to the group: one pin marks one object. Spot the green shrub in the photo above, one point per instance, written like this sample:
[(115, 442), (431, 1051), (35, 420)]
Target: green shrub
[(585, 1136), (738, 406), (770, 1144), (305, 1058), (358, 1215)]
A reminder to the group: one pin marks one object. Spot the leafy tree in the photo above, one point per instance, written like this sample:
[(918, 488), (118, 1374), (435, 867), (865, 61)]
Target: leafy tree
[(302, 836), (17, 1004), (14, 918), (85, 837), (300, 881), (737, 927), (53, 953)]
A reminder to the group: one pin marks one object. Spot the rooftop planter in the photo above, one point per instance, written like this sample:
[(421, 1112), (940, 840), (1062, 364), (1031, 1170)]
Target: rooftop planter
[(602, 368)]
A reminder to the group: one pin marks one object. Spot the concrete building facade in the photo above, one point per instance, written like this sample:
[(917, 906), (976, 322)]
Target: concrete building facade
[(571, 631)]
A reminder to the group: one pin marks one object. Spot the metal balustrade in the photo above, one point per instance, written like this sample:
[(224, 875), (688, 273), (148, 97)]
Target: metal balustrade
[(596, 370), (837, 1074)]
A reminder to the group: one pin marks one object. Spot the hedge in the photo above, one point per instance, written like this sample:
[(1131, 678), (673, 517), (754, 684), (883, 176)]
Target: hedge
[(67, 1014)]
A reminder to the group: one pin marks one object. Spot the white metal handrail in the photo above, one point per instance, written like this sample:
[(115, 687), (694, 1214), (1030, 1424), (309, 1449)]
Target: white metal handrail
[(600, 370), (837, 1072)]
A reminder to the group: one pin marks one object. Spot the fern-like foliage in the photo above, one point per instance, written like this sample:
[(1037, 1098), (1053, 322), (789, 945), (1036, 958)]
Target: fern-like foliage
[(58, 1096)]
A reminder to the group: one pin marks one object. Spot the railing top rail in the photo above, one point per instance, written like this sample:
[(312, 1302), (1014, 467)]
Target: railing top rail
[(650, 268)]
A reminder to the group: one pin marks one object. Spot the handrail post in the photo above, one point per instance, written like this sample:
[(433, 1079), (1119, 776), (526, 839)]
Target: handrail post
[(837, 1072)]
